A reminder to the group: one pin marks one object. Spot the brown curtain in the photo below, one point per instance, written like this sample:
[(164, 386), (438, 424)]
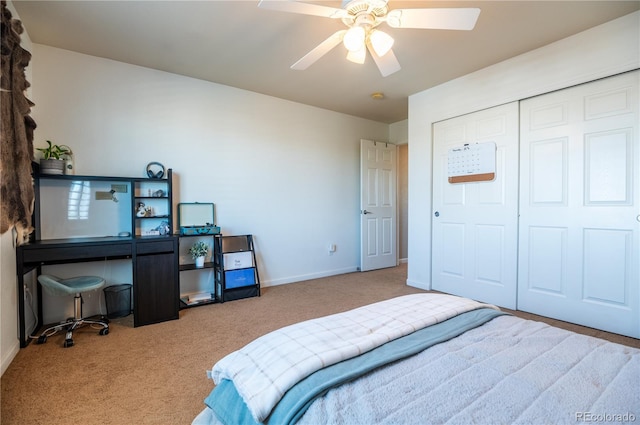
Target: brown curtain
[(16, 133)]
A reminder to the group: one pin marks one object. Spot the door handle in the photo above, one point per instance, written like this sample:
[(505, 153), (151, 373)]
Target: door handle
[(366, 212), (437, 214)]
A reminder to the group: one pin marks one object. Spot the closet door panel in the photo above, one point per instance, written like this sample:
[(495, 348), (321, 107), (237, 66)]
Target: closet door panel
[(579, 249), (548, 175), (475, 223), (547, 248)]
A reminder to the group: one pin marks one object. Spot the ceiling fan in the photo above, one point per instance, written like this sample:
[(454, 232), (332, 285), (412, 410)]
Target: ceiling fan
[(362, 18)]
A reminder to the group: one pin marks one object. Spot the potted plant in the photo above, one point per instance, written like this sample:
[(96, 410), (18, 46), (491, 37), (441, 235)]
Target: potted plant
[(198, 251), (53, 156)]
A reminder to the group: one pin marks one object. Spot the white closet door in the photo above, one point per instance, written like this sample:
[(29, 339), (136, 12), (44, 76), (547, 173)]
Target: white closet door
[(475, 225), (580, 205)]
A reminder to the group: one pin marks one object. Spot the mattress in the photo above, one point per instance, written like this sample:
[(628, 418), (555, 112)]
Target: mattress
[(500, 370)]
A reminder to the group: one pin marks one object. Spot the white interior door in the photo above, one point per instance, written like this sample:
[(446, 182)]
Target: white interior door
[(377, 205), (580, 205), (475, 225)]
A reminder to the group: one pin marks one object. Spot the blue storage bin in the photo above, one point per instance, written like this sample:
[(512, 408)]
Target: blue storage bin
[(239, 278)]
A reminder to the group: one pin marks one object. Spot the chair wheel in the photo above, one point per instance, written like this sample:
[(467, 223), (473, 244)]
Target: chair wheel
[(104, 331), (68, 343), (42, 339)]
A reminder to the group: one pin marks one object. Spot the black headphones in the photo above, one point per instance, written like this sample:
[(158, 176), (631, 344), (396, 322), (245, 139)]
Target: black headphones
[(155, 174)]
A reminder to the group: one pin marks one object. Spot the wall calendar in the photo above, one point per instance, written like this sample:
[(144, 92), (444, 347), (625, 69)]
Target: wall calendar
[(472, 162)]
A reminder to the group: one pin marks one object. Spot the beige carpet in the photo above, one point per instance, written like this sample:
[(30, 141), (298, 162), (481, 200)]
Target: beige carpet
[(156, 374)]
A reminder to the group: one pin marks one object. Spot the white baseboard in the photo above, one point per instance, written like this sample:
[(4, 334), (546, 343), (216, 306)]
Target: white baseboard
[(300, 278), (420, 285), (9, 355)]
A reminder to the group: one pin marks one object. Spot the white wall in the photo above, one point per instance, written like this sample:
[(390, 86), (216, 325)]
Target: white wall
[(284, 172), (9, 344), (602, 51), (399, 132)]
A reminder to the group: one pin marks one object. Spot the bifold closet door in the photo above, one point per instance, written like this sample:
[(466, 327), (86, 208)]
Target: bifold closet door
[(580, 205), (475, 224)]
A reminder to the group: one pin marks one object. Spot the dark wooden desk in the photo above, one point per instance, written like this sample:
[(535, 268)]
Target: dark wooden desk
[(155, 271)]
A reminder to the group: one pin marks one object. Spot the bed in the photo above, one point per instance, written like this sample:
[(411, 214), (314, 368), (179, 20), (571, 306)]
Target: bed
[(424, 358)]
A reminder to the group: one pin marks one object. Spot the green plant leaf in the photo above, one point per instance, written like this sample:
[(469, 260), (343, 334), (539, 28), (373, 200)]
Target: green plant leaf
[(54, 151)]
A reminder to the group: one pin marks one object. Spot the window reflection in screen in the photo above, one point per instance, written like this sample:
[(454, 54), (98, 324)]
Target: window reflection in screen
[(79, 197)]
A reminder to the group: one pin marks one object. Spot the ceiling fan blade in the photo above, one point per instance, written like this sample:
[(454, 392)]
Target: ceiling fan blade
[(387, 64), (303, 8), (440, 19), (319, 51)]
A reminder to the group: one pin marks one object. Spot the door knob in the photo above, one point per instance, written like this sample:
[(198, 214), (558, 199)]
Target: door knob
[(437, 214)]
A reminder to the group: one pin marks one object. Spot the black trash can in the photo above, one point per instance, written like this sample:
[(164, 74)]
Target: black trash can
[(118, 300)]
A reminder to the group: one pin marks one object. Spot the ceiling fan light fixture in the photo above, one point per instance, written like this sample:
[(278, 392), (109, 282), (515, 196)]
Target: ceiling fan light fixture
[(381, 42), (354, 38), (357, 56), (361, 17), (394, 18)]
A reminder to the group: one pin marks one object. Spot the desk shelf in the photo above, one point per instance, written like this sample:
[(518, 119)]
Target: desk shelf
[(196, 222), (156, 196), (191, 268), (185, 267), (186, 303)]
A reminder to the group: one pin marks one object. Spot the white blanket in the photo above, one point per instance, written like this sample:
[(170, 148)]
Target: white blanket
[(266, 368), (507, 371)]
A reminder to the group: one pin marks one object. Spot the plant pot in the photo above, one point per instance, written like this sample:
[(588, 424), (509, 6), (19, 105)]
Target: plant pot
[(199, 262), (51, 166)]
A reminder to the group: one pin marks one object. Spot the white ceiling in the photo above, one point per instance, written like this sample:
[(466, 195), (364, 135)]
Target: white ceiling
[(238, 44)]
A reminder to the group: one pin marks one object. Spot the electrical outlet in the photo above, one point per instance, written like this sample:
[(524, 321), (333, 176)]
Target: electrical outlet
[(104, 196), (120, 188)]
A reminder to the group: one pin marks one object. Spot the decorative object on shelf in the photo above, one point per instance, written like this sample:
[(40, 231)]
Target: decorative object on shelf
[(113, 195), (155, 170), (163, 229), (53, 158), (68, 161), (158, 193), (197, 218), (141, 211), (198, 251)]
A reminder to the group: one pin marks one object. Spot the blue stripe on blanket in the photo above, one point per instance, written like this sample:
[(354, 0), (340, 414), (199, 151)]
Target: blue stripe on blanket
[(229, 407)]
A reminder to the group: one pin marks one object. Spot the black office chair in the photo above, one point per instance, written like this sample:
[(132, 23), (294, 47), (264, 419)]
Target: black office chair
[(73, 286)]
